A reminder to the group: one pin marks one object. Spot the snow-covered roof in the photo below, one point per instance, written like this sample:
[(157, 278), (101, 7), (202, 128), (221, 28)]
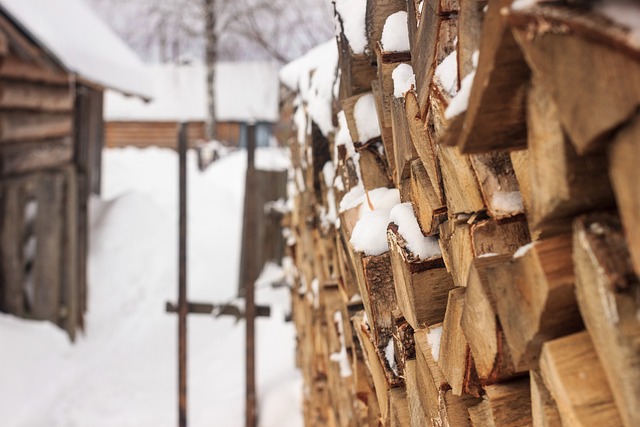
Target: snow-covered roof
[(245, 91), (72, 33)]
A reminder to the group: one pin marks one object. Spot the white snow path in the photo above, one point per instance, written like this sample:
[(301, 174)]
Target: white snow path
[(122, 372)]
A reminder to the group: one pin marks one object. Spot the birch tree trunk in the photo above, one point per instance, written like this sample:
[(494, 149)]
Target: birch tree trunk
[(211, 57)]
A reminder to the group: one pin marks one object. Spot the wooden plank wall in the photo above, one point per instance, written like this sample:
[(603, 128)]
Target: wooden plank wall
[(163, 134), (43, 198)]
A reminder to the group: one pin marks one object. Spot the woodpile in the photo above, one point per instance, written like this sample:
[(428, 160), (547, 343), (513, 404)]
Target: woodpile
[(465, 232)]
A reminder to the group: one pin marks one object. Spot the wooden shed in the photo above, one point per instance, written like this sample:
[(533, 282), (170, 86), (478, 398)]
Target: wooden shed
[(51, 137), (246, 92)]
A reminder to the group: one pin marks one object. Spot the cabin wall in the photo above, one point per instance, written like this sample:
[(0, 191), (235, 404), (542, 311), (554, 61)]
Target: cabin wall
[(42, 188), (164, 134)]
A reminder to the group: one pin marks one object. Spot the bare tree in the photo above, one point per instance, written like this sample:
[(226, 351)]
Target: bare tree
[(172, 30), (211, 59)]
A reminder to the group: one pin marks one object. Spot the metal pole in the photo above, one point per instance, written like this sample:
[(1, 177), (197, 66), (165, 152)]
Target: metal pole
[(250, 309), (183, 307)]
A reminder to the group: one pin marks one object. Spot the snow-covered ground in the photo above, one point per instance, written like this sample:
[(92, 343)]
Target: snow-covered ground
[(122, 371)]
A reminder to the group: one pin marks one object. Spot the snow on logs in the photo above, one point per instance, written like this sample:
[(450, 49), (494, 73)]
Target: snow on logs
[(465, 227)]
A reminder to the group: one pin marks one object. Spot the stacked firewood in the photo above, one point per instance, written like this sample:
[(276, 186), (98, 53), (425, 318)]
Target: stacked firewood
[(466, 214)]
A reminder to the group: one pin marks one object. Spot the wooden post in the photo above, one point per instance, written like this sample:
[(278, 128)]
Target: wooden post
[(249, 241), (182, 280)]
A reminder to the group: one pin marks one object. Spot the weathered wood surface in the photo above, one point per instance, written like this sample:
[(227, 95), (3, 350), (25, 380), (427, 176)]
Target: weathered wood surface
[(421, 286), (607, 292), (495, 117), (535, 300), (544, 410), (568, 49), (563, 183), (624, 154), (504, 405), (576, 380)]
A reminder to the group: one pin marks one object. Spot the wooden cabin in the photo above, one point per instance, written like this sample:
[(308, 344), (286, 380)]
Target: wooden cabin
[(51, 137), (246, 92)]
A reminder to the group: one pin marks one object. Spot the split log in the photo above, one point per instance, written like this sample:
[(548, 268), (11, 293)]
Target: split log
[(624, 155), (430, 378), (504, 405), (441, 406), (430, 210), (386, 133), (572, 48), (563, 183), (457, 252), (481, 325), (424, 145), (460, 183), (387, 63), (398, 408), (357, 73), (520, 162), (376, 15), (434, 41), (498, 184), (469, 34), (461, 243), (493, 237), (375, 284), (455, 360), (495, 117), (417, 414), (536, 297), (403, 342), (348, 106), (373, 167), (544, 410), (403, 150), (348, 282), (383, 376), (366, 403), (576, 380), (421, 286), (607, 290)]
